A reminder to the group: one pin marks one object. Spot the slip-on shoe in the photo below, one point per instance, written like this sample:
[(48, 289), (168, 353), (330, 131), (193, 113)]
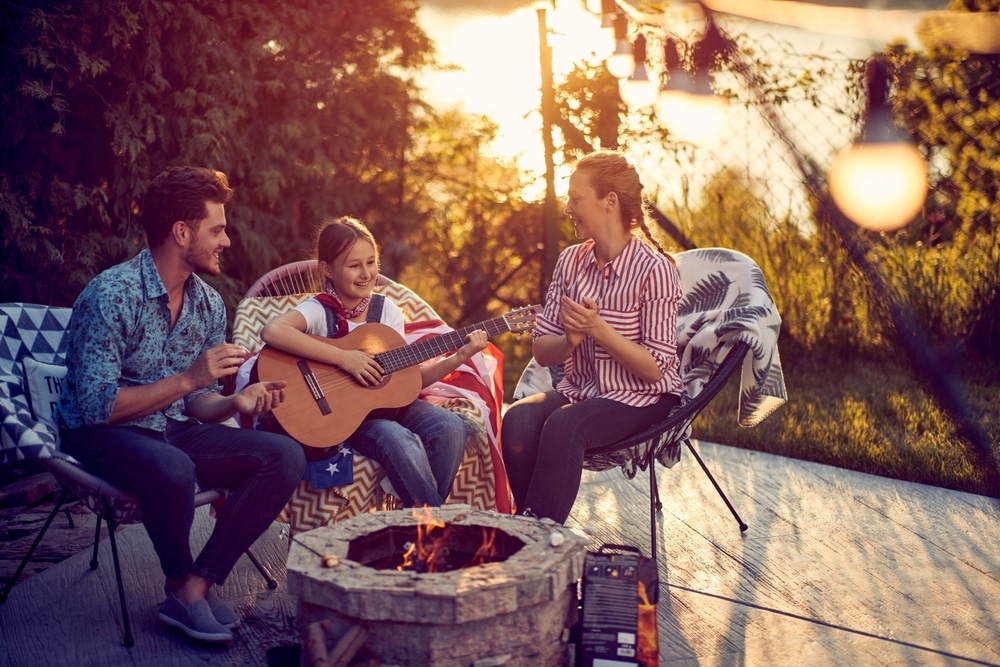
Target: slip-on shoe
[(194, 620), (223, 613)]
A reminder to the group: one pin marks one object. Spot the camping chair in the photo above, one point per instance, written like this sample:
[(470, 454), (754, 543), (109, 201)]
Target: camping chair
[(672, 431), (301, 277), (31, 372), (726, 322), (475, 392)]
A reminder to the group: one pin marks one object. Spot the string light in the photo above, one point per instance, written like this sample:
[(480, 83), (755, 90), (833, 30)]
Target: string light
[(686, 105), (638, 90), (879, 182), (621, 63)]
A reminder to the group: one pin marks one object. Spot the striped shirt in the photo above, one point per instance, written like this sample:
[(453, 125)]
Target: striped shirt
[(638, 293)]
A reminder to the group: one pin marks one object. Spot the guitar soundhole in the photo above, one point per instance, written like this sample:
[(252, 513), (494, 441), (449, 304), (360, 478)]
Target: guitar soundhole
[(384, 382)]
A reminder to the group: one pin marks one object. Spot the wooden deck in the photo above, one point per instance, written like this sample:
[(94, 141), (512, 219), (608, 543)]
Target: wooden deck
[(837, 568)]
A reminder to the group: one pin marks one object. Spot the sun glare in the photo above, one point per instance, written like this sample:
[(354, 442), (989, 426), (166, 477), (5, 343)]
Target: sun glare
[(501, 68)]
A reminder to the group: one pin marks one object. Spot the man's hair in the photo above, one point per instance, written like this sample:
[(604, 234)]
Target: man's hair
[(181, 193)]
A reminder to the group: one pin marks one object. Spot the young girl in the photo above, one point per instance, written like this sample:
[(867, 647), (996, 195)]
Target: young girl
[(610, 314), (420, 446)]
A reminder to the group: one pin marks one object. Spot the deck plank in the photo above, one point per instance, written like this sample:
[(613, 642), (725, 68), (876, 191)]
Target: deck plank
[(837, 568), (70, 615)]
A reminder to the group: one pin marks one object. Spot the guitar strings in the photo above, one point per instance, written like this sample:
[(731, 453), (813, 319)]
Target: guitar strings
[(410, 355)]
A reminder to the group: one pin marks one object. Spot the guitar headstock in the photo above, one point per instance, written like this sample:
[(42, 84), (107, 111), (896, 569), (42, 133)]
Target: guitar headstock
[(522, 319)]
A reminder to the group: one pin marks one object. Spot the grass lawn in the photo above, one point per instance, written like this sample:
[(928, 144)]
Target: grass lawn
[(870, 415)]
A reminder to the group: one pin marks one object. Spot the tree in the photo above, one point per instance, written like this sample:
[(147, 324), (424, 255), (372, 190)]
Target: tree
[(308, 107), (950, 101), (479, 247)]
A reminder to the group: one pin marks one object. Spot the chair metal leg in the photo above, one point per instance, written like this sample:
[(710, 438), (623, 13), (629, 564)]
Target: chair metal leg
[(271, 583), (654, 507), (129, 640), (34, 545), (732, 509), (97, 542)]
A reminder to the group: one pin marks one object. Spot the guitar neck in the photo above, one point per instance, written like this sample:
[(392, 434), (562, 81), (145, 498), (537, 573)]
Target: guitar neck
[(415, 353)]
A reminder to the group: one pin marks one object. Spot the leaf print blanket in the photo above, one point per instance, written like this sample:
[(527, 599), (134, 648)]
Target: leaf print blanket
[(725, 300)]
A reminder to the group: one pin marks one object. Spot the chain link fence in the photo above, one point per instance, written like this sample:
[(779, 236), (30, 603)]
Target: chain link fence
[(758, 186)]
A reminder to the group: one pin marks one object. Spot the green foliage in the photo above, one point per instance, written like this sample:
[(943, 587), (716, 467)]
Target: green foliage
[(948, 100), (868, 414), (309, 108), (589, 111), (953, 288)]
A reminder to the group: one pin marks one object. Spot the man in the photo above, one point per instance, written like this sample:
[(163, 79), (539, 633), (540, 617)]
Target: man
[(142, 404)]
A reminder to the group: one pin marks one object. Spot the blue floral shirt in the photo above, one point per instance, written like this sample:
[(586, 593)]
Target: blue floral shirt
[(119, 336)]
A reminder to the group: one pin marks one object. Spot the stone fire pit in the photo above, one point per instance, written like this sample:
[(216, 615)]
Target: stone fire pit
[(515, 611)]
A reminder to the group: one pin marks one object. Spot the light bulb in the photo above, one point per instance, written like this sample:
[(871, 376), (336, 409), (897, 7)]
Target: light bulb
[(638, 90), (621, 63), (690, 110), (880, 186)]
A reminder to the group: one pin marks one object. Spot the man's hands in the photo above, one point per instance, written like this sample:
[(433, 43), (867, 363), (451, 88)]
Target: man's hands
[(260, 397), (222, 361), (219, 362)]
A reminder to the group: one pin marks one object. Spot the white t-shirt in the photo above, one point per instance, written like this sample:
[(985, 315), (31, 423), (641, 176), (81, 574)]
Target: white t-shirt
[(315, 315)]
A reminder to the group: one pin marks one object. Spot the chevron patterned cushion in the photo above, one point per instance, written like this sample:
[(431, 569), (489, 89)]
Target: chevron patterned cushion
[(309, 508), (36, 332), (254, 312)]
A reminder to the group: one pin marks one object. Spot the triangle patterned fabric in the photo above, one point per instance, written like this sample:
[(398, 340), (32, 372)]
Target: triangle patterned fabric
[(29, 330), (37, 331)]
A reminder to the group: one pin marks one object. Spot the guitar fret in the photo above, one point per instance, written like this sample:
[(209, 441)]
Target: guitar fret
[(410, 355)]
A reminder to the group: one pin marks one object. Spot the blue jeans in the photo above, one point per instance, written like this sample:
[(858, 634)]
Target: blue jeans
[(420, 447), (259, 469), (545, 440)]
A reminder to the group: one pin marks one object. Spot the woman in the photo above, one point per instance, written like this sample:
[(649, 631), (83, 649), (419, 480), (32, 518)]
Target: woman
[(610, 315), (420, 446)]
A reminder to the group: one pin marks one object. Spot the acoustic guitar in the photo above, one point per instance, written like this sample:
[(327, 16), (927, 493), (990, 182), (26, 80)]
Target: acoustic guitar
[(324, 405)]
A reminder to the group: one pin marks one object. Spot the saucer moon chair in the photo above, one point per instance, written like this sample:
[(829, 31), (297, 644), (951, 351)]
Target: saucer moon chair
[(474, 391), (726, 323), (32, 352)]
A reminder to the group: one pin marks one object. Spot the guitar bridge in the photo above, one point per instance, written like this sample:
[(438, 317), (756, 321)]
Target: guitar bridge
[(314, 388)]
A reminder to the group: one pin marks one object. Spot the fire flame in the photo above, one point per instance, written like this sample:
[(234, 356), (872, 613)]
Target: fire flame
[(649, 637), (429, 552), (485, 552), (424, 551)]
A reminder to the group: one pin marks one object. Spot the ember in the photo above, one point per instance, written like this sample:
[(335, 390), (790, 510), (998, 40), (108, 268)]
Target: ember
[(439, 548)]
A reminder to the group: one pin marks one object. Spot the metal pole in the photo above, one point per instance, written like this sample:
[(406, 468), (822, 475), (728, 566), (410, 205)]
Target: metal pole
[(550, 214)]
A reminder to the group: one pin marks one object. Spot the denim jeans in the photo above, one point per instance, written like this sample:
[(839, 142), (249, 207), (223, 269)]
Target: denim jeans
[(259, 469), (545, 439), (420, 447)]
